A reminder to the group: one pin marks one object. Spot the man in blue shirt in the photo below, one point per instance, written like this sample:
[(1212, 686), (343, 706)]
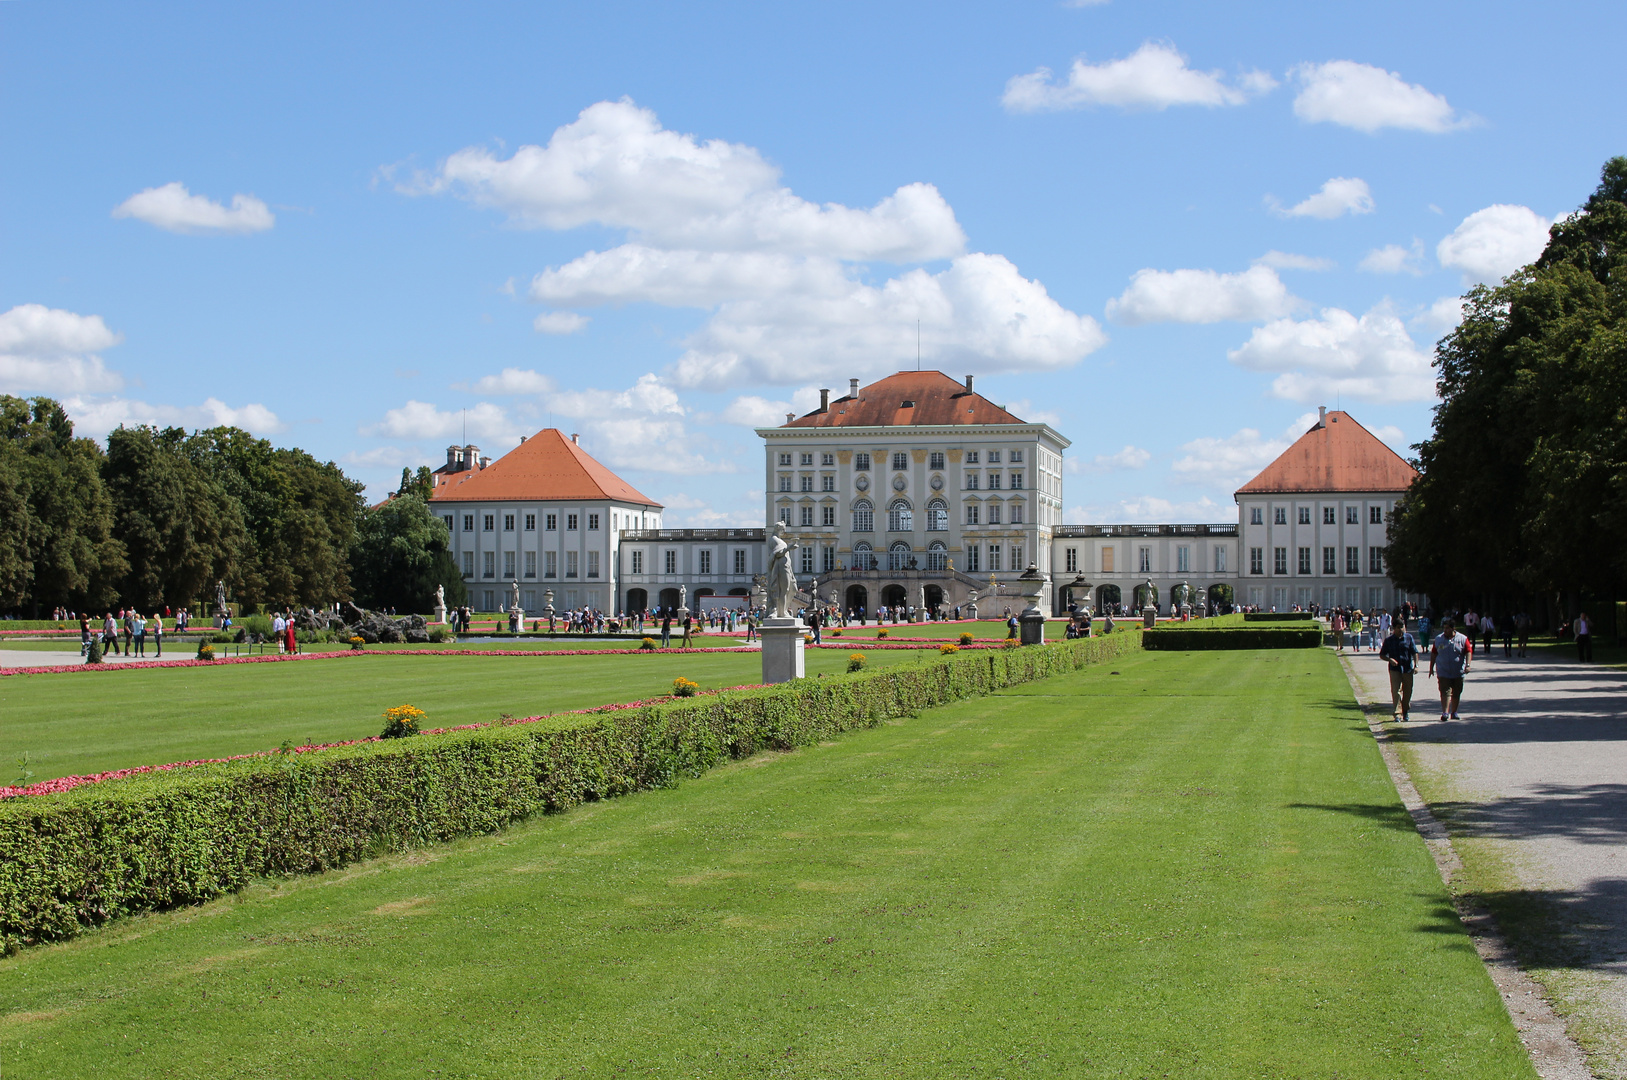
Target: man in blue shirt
[(1449, 660), (1400, 651)]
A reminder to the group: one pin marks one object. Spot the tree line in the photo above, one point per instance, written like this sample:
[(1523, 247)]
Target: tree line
[(1521, 496), (159, 515)]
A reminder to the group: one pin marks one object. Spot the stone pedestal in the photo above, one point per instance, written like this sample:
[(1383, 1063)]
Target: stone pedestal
[(782, 649), (1032, 626), (1149, 617), (440, 613), (971, 611)]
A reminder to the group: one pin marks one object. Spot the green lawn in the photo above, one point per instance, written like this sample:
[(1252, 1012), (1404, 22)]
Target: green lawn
[(77, 724), (1187, 865)]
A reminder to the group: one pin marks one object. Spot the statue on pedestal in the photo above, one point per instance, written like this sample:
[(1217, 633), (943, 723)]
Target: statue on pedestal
[(782, 579)]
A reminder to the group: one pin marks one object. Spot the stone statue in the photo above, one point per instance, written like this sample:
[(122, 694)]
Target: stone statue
[(514, 596), (782, 579), (921, 590), (440, 598), (220, 598), (1152, 593)]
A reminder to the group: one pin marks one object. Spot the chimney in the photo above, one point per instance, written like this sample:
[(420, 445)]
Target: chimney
[(790, 416), (824, 401), (574, 437), (522, 440), (853, 389), (454, 459), (471, 456), (484, 462), (968, 384), (1322, 416)]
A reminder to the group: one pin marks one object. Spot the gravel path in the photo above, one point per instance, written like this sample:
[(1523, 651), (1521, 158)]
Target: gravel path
[(1535, 776)]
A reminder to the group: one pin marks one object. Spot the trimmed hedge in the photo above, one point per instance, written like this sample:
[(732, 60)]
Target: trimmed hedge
[(159, 840), (1275, 616), (1239, 637)]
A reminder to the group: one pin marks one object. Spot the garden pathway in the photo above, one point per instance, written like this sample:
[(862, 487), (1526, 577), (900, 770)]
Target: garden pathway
[(1534, 775), (13, 658)]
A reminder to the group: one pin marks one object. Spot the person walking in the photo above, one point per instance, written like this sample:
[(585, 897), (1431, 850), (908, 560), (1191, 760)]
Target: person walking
[(1337, 625), (84, 634), (157, 626), (1487, 629), (813, 622), (1400, 652), (1506, 628), (138, 624), (290, 641), (688, 623), (666, 627), (1449, 660), (1584, 639), (1522, 627)]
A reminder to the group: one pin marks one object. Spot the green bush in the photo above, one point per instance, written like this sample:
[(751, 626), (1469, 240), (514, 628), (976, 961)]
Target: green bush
[(1243, 637), (161, 839), (1275, 616), (221, 637), (441, 634), (256, 624)]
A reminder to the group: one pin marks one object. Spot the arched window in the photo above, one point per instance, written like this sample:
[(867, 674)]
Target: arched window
[(898, 556), (899, 517), (937, 516), (937, 556), (863, 557), (864, 517)]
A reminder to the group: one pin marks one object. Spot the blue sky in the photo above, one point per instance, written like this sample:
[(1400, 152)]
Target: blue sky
[(1171, 230)]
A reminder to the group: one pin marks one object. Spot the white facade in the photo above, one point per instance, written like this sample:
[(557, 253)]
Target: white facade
[(1325, 548)]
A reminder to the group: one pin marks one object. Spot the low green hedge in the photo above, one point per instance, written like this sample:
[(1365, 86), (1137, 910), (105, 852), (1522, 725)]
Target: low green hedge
[(1242, 637), (157, 840), (1275, 616)]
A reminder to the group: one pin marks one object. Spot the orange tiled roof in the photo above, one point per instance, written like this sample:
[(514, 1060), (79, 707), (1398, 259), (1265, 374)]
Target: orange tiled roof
[(1335, 455), (546, 466), (908, 398)]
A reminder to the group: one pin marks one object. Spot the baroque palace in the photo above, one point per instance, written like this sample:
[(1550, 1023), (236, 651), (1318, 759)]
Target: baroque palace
[(916, 491)]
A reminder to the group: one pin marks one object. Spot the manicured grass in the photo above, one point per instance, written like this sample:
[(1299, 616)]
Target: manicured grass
[(78, 724), (1195, 868)]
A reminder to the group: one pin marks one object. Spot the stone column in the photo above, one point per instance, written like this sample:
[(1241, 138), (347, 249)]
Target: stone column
[(782, 649)]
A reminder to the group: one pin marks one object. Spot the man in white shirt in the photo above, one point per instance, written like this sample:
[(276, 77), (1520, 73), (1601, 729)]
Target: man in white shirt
[(278, 625)]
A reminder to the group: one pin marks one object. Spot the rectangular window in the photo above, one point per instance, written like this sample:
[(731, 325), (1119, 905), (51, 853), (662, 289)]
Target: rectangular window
[(550, 564), (1280, 515), (1070, 560), (973, 512), (1352, 560), (971, 457), (1107, 559), (593, 522), (705, 561), (807, 483), (807, 559), (1304, 515), (785, 459), (1016, 556), (827, 515), (807, 459), (1017, 514), (508, 522), (508, 564), (488, 564), (468, 564), (1304, 560), (935, 459), (671, 562), (593, 564), (550, 522), (785, 483), (971, 481), (785, 514), (994, 481), (1279, 560), (994, 513), (1016, 481), (1375, 515), (1256, 516), (806, 517), (530, 523), (638, 562), (489, 523), (861, 462), (1330, 560), (448, 520), (1183, 559), (1144, 560), (1352, 516), (1375, 560), (994, 457), (827, 483), (827, 558), (468, 523), (740, 560), (1220, 560), (1329, 518), (994, 557), (901, 461), (1015, 457), (570, 522), (827, 458), (573, 564), (1256, 560), (973, 562)]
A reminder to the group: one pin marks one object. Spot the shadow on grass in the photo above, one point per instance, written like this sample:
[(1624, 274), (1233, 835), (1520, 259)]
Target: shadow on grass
[(1389, 815)]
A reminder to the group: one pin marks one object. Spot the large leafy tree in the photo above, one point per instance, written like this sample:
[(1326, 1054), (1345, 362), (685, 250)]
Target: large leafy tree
[(401, 553), (55, 513), (1523, 482)]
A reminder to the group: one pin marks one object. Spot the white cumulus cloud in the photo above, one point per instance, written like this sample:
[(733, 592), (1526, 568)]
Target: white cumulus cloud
[(559, 322), (1201, 296), (1230, 461), (750, 410), (1439, 318), (1147, 509), (1155, 76), (485, 423), (641, 427), (175, 209), (96, 416), (1490, 244), (1337, 197), (615, 165), (1394, 259), (1369, 98), (1131, 457), (513, 381), (51, 351), (1371, 358)]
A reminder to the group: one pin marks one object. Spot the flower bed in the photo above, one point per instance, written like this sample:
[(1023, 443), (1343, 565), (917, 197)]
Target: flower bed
[(146, 840)]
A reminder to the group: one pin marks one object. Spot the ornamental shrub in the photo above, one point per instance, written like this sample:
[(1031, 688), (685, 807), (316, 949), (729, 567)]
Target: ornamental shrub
[(206, 651), (156, 840), (966, 639), (836, 632), (881, 633), (401, 721), (647, 644), (682, 687), (441, 634), (356, 643), (93, 652), (855, 661), (948, 649), (1275, 616)]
